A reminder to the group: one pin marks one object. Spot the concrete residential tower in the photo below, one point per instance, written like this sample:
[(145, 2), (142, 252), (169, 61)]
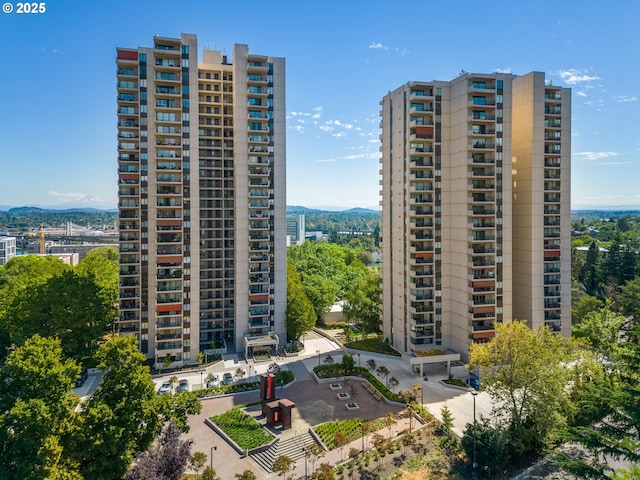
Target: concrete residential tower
[(475, 209), (201, 186)]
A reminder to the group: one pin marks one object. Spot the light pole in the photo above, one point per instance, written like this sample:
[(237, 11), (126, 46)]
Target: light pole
[(201, 382), (304, 450), (475, 464), (211, 457), (362, 428), (318, 352)]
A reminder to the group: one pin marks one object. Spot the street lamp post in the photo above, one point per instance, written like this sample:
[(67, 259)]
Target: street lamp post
[(318, 352), (211, 457), (362, 429), (201, 382), (304, 450), (475, 464)]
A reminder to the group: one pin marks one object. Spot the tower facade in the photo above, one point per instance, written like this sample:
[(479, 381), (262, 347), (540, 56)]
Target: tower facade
[(449, 207), (201, 188)]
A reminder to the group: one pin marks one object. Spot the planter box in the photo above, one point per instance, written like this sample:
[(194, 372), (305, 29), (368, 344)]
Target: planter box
[(335, 386), (352, 406), (344, 396)]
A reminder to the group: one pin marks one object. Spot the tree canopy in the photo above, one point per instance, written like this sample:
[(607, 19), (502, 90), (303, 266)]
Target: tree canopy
[(526, 372), (38, 417), (326, 271), (43, 295), (363, 302), (301, 317)]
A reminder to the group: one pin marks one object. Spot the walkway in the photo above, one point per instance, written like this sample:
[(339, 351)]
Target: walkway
[(317, 403)]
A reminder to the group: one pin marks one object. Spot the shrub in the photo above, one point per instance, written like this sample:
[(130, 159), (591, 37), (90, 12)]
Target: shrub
[(242, 429), (373, 345), (350, 427), (456, 381)]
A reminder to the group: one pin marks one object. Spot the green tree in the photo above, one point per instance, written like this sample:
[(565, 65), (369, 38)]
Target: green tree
[(629, 299), (17, 277), (123, 416), (589, 274), (38, 416), (340, 440), (246, 475), (324, 472), (446, 426), (66, 306), (210, 474), (301, 317), (282, 465), (602, 329), (315, 452), (490, 446), (347, 363), (526, 372), (363, 302), (101, 266), (198, 461), (614, 402), (326, 271), (581, 307)]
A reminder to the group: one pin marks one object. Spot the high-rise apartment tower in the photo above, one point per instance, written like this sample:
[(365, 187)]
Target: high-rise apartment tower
[(201, 188), (475, 209)]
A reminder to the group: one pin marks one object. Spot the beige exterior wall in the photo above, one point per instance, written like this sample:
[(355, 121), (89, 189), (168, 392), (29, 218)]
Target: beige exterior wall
[(541, 192), (191, 162), (448, 208)]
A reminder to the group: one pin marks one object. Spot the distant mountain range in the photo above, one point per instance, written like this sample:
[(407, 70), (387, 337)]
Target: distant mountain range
[(300, 209), (37, 209), (622, 209), (26, 210)]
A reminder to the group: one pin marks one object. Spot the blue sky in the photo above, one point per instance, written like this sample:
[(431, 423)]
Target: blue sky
[(58, 114)]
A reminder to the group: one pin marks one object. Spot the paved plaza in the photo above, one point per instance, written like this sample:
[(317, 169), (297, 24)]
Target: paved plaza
[(317, 403)]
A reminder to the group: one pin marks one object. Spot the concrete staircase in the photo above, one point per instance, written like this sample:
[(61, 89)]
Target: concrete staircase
[(291, 447)]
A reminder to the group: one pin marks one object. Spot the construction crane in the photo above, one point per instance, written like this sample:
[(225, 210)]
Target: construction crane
[(41, 239)]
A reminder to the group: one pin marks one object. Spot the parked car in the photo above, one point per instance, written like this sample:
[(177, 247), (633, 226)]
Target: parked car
[(183, 386), (474, 382), (227, 379), (215, 381), (84, 374), (164, 388)]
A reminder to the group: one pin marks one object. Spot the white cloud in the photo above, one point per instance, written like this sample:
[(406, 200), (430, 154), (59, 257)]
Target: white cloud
[(573, 76), (299, 128), (378, 46), (339, 134), (625, 98), (503, 70), (581, 94), (355, 156), (590, 156), (74, 197)]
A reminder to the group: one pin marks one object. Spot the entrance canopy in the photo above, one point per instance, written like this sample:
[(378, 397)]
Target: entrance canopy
[(268, 341)]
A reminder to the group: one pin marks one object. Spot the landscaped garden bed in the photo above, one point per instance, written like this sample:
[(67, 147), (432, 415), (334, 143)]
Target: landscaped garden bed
[(344, 396), (373, 345), (351, 428), (243, 429), (336, 371), (455, 382)]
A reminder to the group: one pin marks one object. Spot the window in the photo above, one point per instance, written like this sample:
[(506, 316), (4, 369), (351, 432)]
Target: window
[(185, 49)]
